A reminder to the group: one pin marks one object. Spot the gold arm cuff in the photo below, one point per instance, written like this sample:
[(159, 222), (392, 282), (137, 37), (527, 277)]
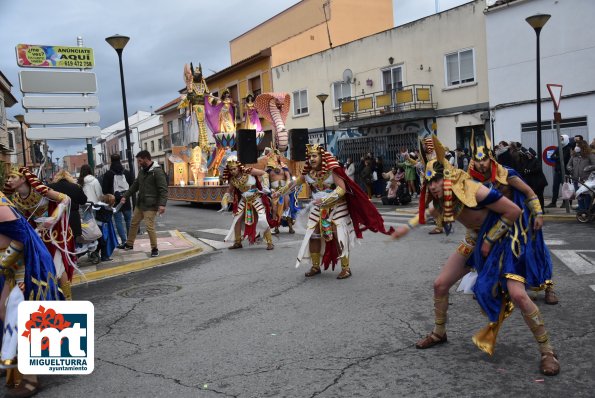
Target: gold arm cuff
[(413, 222), (333, 197), (499, 229), (535, 206)]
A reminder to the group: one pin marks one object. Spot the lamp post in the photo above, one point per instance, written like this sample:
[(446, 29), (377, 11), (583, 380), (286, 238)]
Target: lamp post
[(537, 22), (322, 98), (21, 120), (51, 152), (118, 42), (58, 163)]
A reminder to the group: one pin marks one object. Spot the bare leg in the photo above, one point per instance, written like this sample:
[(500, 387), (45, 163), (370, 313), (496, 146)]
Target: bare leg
[(549, 362), (453, 270)]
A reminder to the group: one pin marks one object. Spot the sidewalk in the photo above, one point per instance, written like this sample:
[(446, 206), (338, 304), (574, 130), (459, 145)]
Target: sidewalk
[(554, 214), (173, 246)]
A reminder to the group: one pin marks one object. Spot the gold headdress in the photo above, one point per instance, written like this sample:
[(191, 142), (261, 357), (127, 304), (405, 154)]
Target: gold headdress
[(233, 161), (329, 162), (481, 152), (311, 149), (16, 172)]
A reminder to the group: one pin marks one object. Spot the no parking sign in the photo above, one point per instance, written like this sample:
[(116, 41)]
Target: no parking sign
[(547, 155)]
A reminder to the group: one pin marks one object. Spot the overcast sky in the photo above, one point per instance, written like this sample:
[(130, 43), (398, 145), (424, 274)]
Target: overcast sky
[(164, 36)]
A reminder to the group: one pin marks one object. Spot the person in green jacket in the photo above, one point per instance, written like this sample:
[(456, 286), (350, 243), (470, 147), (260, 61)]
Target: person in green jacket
[(410, 172), (151, 186)]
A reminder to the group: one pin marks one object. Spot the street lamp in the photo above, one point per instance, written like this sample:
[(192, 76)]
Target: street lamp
[(51, 151), (118, 42), (322, 98), (58, 163), (537, 22), (21, 120)]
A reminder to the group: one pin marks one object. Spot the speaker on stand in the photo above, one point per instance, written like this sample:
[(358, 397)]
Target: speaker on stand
[(298, 139), (246, 141)]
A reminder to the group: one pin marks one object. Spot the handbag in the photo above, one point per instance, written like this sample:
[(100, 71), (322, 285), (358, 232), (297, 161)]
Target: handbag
[(567, 191), (90, 230)]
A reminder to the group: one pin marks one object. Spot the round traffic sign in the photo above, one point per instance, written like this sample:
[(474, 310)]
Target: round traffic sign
[(547, 155)]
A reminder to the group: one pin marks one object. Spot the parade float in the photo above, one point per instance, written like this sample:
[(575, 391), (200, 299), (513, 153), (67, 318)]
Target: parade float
[(210, 137)]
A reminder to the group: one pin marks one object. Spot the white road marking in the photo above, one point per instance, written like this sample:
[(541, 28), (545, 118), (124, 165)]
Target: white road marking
[(592, 287), (216, 244), (581, 265), (555, 242), (216, 231)]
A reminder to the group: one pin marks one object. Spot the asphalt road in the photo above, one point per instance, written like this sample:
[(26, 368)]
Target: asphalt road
[(246, 323)]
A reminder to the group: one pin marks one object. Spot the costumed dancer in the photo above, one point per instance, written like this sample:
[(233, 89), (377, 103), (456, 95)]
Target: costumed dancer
[(251, 205), (274, 107), (33, 200), (28, 273), (490, 219), (531, 250), (279, 178), (339, 213), (194, 103)]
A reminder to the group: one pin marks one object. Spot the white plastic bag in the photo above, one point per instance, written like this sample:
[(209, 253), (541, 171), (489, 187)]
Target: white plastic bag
[(374, 176), (567, 191), (467, 283)]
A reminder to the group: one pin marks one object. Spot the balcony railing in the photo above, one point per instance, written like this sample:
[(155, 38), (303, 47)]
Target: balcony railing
[(405, 99)]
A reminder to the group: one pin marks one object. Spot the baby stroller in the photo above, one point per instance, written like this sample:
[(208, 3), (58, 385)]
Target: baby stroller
[(91, 234), (587, 191)]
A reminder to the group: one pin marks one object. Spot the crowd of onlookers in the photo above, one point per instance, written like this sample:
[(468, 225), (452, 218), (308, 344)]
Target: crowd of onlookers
[(399, 183)]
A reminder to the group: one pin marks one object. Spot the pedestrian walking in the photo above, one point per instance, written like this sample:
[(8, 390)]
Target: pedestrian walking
[(151, 186), (115, 182), (90, 184)]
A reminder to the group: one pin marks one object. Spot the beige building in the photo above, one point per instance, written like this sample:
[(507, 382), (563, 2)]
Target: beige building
[(311, 26), (390, 88), (7, 145), (151, 139)]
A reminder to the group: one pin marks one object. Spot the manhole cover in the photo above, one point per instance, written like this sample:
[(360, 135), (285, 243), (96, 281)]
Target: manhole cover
[(150, 291)]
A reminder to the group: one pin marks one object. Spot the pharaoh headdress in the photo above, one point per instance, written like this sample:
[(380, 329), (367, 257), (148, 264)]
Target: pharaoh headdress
[(329, 162), (457, 184), (232, 161), (479, 153), (30, 179)]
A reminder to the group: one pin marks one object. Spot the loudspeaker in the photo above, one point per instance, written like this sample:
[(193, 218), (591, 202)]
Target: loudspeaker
[(298, 140), (246, 140), (266, 142)]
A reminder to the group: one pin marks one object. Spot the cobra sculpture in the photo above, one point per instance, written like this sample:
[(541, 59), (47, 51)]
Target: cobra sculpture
[(274, 107)]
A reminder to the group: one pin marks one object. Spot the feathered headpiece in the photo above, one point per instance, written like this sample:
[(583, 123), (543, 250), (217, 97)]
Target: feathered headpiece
[(232, 161), (479, 153)]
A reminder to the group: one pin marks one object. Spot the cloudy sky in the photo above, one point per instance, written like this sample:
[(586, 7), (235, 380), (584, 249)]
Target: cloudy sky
[(164, 36)]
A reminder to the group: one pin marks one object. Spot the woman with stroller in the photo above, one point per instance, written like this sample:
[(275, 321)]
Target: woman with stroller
[(579, 169)]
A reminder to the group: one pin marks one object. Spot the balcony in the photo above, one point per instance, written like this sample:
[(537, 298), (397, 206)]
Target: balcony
[(394, 105)]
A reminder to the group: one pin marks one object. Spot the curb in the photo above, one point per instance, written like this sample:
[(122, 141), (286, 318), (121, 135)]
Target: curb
[(137, 265)]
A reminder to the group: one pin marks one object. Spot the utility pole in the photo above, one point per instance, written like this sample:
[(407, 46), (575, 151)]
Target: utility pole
[(79, 43)]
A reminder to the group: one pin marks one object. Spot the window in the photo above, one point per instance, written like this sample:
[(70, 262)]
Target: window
[(181, 126), (146, 146), (392, 79), (460, 67), (254, 86), (170, 127), (300, 102), (160, 144), (10, 140), (340, 90), (152, 146)]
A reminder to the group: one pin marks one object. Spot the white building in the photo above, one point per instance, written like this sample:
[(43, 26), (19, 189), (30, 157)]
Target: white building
[(395, 86), (567, 58)]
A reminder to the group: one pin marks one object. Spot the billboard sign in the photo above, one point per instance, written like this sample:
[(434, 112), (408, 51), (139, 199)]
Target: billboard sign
[(38, 56)]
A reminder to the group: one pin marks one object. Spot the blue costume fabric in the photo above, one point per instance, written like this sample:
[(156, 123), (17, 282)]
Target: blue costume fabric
[(111, 240), (40, 274), (293, 208), (522, 252)]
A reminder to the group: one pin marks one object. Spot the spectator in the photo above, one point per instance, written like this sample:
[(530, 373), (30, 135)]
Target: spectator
[(566, 147), (460, 158), (116, 181), (350, 169), (90, 184), (578, 138), (503, 154), (410, 172), (580, 160), (151, 186), (366, 176), (379, 185), (66, 184), (533, 174)]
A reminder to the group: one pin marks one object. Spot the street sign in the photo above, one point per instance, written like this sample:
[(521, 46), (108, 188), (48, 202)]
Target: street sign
[(61, 117), (556, 94), (57, 102), (46, 82), (548, 153), (36, 56), (62, 133)]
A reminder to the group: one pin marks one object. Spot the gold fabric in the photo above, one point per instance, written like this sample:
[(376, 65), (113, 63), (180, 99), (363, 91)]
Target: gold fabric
[(485, 339), (315, 258), (344, 262), (333, 198), (499, 229), (440, 314)]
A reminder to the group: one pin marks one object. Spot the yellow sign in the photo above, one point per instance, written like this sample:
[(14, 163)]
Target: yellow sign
[(34, 56)]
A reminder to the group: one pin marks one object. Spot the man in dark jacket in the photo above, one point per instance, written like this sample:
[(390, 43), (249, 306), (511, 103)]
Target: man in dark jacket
[(533, 174), (123, 180), (151, 186)]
